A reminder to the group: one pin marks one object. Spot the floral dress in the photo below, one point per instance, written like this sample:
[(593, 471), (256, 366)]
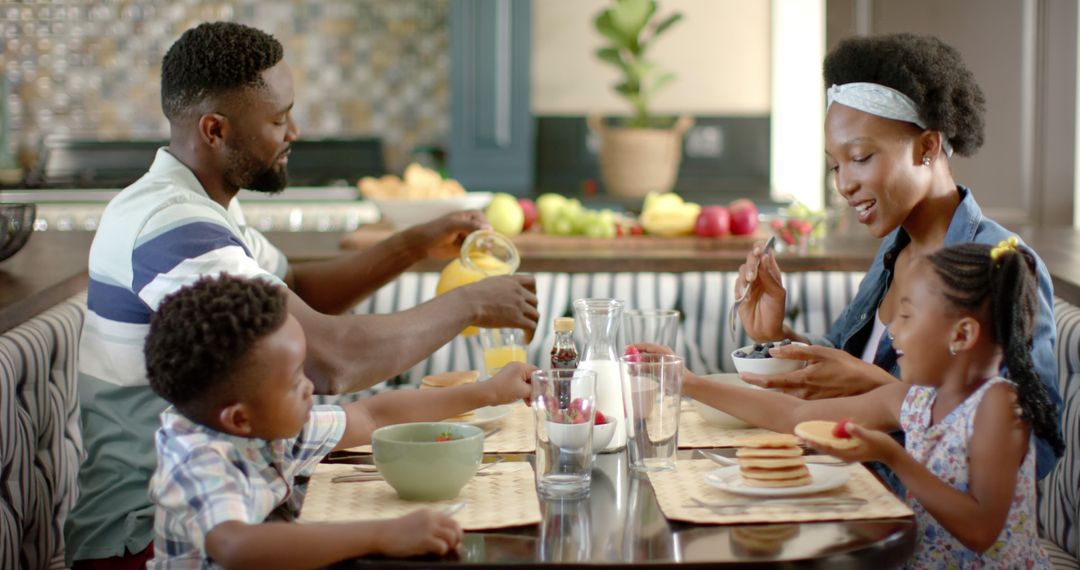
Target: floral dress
[(943, 449)]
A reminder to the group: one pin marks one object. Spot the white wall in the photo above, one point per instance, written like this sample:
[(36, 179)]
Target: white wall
[(720, 53)]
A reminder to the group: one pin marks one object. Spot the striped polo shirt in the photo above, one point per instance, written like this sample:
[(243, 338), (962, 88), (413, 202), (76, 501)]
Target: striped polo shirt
[(159, 234)]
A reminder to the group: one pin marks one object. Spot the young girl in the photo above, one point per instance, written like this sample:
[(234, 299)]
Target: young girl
[(969, 463)]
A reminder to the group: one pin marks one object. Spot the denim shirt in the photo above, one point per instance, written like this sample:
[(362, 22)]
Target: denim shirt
[(851, 331)]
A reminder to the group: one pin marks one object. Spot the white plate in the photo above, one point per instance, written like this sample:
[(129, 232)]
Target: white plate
[(484, 416), (823, 478)]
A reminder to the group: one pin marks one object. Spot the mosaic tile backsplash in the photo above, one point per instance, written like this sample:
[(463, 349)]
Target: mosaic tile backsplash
[(91, 68)]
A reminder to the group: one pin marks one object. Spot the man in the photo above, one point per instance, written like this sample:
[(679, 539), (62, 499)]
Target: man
[(227, 94)]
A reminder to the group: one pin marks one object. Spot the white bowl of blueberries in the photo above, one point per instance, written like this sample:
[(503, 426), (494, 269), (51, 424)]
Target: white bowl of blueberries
[(755, 359)]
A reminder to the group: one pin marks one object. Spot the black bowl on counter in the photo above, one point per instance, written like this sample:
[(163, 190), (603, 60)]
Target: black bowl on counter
[(16, 225)]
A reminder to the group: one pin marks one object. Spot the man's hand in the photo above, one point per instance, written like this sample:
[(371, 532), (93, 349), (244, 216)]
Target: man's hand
[(502, 301), (829, 373), (420, 532), (442, 237), (511, 383)]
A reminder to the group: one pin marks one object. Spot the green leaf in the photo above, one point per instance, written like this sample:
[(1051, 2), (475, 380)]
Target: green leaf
[(631, 16), (661, 81), (626, 89), (666, 23), (611, 55), (607, 29)]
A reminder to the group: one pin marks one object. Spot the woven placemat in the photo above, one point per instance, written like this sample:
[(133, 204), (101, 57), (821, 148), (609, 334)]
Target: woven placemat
[(517, 433), (506, 498), (695, 432), (675, 489)]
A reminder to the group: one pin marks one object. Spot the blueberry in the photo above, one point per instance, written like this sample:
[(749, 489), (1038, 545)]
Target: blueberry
[(785, 342), (740, 354)]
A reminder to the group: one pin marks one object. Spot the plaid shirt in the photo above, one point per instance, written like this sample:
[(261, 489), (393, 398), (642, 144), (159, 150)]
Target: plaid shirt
[(205, 477)]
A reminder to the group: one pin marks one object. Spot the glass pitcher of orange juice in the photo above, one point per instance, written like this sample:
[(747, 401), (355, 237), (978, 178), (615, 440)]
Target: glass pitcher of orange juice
[(484, 253)]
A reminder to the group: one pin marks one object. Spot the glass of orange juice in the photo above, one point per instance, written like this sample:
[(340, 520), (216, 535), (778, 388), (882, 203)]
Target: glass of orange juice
[(501, 347), (484, 253)]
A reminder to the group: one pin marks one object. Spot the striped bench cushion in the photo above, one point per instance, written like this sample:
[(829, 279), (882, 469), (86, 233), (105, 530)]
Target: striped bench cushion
[(704, 298), (40, 440), (1059, 492)]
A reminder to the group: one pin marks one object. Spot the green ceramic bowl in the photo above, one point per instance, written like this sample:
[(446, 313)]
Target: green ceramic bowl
[(422, 469)]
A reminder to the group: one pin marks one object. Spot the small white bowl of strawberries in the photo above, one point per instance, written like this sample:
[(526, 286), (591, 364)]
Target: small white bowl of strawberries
[(603, 430)]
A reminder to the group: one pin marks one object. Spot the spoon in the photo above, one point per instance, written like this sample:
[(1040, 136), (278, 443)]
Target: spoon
[(738, 301)]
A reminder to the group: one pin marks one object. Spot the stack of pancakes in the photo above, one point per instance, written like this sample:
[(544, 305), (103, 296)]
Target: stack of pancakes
[(449, 380), (772, 460)]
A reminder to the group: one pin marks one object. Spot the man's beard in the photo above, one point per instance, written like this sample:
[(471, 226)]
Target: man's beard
[(244, 171)]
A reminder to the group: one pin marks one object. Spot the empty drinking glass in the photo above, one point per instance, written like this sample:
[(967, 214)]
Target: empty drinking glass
[(652, 384), (564, 404)]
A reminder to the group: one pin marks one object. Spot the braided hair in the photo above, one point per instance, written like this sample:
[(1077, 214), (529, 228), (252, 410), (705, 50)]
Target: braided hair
[(1006, 287)]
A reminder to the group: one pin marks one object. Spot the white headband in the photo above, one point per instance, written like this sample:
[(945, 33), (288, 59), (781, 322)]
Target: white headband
[(881, 101)]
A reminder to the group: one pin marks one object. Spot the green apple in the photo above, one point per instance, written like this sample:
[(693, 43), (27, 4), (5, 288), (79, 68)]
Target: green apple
[(505, 214), (549, 205)]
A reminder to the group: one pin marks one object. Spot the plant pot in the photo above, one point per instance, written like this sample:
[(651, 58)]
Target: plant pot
[(636, 161)]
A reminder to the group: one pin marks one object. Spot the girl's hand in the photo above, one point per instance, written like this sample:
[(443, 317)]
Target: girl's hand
[(829, 373), (651, 348), (873, 445), (762, 310), (419, 532), (511, 383)]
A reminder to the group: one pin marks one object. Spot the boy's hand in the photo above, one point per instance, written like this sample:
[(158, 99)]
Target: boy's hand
[(873, 445), (511, 383), (421, 532)]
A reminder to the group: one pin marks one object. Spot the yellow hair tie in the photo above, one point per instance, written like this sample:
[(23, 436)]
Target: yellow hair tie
[(1003, 247)]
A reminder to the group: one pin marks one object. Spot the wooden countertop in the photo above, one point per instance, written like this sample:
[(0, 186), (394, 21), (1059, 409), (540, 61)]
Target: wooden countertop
[(52, 265)]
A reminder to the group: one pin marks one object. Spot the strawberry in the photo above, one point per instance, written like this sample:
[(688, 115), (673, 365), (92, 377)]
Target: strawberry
[(444, 436), (600, 418), (637, 230), (841, 429), (633, 354)]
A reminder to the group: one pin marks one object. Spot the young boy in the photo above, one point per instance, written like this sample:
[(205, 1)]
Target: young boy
[(229, 358)]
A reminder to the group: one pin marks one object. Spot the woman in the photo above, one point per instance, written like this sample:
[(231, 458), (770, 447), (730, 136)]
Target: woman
[(899, 107)]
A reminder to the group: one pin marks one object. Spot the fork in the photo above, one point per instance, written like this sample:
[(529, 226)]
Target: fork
[(738, 301), (366, 473), (814, 503)]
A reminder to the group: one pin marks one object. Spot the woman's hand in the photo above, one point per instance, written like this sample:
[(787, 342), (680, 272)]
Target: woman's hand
[(762, 310), (873, 445), (829, 373)]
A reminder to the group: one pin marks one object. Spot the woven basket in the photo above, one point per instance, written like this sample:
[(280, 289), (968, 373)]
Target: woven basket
[(634, 162)]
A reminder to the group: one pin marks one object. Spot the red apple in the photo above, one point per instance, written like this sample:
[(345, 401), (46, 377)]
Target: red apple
[(528, 207), (713, 221), (744, 217)]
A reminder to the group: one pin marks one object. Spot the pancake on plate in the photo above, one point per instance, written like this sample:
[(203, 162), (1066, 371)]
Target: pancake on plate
[(450, 380), (772, 460), (821, 432)]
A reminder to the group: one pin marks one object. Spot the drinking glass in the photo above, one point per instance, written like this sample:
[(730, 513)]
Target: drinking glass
[(501, 347), (564, 404), (652, 384), (658, 326)]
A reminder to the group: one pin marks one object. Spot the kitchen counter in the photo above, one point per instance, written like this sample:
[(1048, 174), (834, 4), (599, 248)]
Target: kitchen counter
[(52, 265)]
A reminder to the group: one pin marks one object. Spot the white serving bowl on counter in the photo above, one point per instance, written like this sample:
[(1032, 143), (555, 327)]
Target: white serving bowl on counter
[(402, 213)]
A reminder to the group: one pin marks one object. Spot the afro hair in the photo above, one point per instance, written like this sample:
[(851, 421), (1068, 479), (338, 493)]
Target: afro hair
[(212, 59), (200, 334), (925, 69)]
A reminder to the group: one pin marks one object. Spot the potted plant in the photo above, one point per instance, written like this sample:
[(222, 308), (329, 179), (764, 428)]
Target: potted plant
[(641, 154)]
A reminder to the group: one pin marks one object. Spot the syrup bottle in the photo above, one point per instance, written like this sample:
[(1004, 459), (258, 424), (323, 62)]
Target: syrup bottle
[(564, 354)]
